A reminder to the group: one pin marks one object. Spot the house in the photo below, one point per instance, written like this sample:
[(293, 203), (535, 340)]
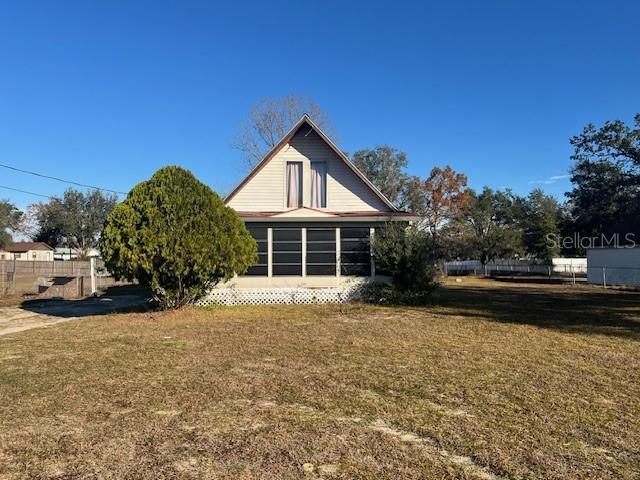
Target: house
[(39, 251), (69, 253), (312, 214), (614, 266)]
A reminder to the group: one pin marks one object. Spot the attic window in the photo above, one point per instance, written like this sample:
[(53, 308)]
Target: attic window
[(318, 184), (294, 184)]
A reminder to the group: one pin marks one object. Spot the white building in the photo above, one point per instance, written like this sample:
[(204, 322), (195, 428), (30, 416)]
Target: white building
[(569, 265), (31, 251), (68, 253), (613, 266), (312, 214)]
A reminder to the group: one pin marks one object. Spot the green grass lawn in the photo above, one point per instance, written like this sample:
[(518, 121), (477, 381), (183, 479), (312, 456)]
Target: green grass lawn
[(494, 381)]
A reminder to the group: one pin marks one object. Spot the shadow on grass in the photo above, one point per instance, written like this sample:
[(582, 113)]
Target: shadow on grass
[(582, 310), (121, 298)]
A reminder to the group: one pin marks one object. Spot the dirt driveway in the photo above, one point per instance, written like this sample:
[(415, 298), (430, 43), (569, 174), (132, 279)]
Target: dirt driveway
[(36, 314)]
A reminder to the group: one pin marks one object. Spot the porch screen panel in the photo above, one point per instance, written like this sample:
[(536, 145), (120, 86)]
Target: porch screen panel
[(355, 256), (261, 268), (287, 251), (321, 251)]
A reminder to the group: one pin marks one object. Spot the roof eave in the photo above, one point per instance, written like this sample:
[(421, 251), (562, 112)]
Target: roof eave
[(306, 119), (380, 217), (355, 169), (254, 171)]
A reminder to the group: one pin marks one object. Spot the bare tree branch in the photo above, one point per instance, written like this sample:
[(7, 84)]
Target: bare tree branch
[(269, 120)]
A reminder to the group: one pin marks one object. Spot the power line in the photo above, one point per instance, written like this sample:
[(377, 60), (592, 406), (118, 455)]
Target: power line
[(60, 179), (25, 191)]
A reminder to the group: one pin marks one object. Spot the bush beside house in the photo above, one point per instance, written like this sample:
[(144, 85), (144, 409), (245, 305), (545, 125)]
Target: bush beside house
[(407, 255), (175, 235)]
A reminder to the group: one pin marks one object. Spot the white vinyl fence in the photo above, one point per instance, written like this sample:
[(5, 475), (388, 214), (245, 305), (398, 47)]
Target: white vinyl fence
[(606, 268), (475, 267)]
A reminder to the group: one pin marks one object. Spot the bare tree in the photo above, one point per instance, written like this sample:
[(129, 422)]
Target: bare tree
[(270, 119)]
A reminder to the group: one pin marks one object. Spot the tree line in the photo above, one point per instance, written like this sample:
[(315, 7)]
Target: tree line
[(460, 222), (464, 223), (74, 220), (602, 208)]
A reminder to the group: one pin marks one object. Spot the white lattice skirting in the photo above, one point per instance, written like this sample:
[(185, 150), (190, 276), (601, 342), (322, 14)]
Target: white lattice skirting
[(268, 296)]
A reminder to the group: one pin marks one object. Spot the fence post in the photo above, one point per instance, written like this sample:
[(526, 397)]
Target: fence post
[(604, 277), (92, 263)]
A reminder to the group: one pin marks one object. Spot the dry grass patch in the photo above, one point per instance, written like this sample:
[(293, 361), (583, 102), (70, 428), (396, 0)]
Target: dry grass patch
[(495, 381)]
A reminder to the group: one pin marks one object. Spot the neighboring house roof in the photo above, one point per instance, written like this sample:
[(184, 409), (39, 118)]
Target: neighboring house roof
[(286, 139), (21, 247)]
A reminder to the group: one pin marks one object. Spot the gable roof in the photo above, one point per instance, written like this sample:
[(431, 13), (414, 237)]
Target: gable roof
[(22, 247), (286, 139)]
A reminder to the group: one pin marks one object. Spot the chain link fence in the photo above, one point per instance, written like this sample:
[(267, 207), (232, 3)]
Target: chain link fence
[(613, 276)]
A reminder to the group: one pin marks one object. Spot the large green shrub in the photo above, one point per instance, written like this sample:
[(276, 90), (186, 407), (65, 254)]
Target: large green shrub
[(407, 255), (175, 235)]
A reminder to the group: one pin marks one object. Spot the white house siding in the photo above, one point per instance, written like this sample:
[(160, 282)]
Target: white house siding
[(345, 190), (41, 255), (31, 255), (613, 266)]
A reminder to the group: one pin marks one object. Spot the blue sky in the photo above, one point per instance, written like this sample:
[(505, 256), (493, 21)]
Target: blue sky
[(106, 93)]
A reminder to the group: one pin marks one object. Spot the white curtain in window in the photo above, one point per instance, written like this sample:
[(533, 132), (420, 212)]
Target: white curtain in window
[(318, 185), (294, 184)]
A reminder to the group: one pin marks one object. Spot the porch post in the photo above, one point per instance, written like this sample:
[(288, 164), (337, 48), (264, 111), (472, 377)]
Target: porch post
[(269, 252), (372, 232), (337, 251)]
